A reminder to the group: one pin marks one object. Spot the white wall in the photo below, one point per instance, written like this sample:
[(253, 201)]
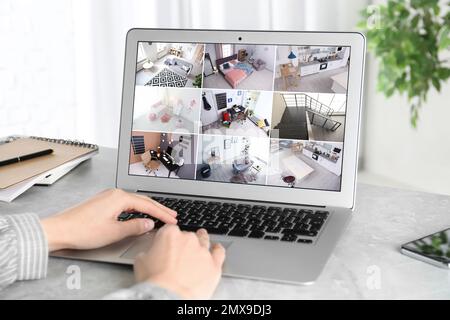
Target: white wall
[(267, 54), (209, 116), (145, 97), (226, 155), (278, 110), (419, 157), (259, 148), (67, 81), (37, 67), (392, 149), (150, 51), (186, 95), (248, 47), (263, 108), (281, 57), (210, 48)]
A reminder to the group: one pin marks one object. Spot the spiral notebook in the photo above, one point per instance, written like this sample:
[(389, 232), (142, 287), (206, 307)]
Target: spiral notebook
[(21, 176)]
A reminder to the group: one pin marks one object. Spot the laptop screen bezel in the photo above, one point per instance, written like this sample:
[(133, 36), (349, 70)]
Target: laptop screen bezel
[(344, 198)]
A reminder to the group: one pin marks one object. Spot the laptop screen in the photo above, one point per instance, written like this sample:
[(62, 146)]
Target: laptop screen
[(238, 113)]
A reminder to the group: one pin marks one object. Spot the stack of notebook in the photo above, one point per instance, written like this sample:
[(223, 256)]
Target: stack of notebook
[(20, 175)]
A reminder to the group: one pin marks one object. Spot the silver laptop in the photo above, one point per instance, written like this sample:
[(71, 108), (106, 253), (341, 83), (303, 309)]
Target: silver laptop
[(251, 135)]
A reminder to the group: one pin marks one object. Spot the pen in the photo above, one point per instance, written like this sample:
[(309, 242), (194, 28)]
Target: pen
[(26, 157)]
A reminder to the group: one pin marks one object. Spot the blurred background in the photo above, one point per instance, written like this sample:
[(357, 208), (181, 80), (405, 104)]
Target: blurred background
[(61, 64)]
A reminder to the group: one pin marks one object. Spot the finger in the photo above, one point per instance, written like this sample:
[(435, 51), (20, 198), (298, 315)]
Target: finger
[(218, 254), (156, 203), (135, 227), (146, 206), (168, 229), (203, 237)]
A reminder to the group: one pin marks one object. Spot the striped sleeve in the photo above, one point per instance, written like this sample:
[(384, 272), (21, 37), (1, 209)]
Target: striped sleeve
[(23, 248)]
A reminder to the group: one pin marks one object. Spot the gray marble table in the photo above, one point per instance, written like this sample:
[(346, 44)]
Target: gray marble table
[(366, 264)]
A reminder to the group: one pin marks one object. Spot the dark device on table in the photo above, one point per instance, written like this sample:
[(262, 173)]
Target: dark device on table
[(433, 249)]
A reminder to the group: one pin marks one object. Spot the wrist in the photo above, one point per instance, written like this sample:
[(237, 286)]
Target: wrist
[(54, 233)]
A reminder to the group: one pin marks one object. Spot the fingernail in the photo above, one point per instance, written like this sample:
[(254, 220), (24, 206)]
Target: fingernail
[(148, 224)]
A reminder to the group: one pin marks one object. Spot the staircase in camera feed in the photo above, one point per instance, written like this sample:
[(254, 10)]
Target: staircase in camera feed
[(299, 109)]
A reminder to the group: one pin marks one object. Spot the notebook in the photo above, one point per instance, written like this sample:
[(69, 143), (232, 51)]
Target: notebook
[(17, 178), (64, 151)]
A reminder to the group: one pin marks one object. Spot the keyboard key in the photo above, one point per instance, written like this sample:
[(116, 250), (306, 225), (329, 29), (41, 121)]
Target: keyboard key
[(289, 238), (254, 216), (141, 215), (300, 232), (287, 211), (217, 230), (272, 237), (229, 204), (316, 223), (124, 216), (256, 234), (258, 228), (211, 224), (224, 219), (269, 223), (285, 225), (304, 240), (159, 224), (188, 227), (246, 226), (227, 225), (238, 233), (273, 229), (254, 221), (237, 220), (300, 226)]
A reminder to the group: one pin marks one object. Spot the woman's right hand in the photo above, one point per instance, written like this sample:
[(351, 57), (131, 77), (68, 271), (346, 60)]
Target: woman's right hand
[(182, 262)]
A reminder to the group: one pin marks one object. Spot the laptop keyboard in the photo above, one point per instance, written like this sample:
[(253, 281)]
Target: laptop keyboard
[(242, 220)]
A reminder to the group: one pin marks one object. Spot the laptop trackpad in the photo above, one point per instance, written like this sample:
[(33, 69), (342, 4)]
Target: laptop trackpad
[(142, 244)]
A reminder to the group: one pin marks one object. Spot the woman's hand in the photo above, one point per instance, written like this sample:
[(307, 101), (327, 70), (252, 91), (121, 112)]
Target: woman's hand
[(94, 224), (182, 262)]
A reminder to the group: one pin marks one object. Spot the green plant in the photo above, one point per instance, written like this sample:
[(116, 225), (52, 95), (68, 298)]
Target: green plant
[(408, 36), (198, 81)]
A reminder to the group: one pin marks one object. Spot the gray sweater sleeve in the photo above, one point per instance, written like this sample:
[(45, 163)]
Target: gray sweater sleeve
[(142, 291), (24, 256)]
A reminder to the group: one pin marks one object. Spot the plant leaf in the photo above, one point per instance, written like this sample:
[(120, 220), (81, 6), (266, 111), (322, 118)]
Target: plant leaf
[(444, 38)]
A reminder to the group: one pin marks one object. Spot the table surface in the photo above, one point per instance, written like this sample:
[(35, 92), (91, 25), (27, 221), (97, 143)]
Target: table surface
[(366, 263)]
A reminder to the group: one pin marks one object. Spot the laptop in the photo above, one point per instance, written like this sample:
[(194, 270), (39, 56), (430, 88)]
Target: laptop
[(252, 135)]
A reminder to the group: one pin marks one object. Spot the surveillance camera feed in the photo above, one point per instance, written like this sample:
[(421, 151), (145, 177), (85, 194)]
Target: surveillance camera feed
[(236, 113)]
